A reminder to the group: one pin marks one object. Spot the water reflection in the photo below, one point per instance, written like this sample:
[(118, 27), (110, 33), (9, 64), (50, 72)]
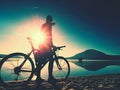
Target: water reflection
[(94, 67), (87, 67)]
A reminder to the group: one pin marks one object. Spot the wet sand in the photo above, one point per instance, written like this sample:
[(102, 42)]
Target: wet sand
[(96, 82)]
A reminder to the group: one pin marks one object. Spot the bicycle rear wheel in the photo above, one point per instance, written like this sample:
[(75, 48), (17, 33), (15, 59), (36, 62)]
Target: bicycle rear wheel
[(61, 68), (10, 70)]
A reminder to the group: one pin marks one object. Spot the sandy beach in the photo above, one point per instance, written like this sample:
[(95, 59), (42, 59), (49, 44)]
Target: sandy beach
[(96, 82)]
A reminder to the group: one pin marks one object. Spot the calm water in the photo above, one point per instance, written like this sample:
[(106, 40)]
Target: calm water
[(84, 68), (94, 67)]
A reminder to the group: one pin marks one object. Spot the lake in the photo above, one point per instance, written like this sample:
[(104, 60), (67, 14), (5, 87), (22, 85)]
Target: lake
[(84, 68), (93, 67)]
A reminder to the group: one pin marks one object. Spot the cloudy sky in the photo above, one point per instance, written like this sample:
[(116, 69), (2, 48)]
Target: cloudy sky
[(80, 24)]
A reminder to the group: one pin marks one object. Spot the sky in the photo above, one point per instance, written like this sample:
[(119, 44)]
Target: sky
[(80, 24)]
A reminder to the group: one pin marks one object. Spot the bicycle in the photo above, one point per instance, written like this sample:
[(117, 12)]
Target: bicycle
[(20, 67)]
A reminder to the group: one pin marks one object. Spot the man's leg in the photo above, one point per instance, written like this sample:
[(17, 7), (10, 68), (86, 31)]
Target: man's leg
[(51, 79), (50, 67), (38, 72)]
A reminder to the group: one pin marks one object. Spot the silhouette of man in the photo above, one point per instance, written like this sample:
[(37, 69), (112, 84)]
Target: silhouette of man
[(45, 50)]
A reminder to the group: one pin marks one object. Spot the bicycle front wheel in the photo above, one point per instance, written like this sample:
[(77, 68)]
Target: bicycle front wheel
[(16, 67), (61, 68)]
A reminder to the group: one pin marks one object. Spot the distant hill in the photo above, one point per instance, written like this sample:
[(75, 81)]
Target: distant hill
[(94, 54)]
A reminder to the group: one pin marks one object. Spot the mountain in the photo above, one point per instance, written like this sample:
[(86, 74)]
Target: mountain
[(94, 54)]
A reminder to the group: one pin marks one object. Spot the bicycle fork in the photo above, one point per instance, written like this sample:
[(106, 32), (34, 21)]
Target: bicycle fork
[(58, 65), (56, 61)]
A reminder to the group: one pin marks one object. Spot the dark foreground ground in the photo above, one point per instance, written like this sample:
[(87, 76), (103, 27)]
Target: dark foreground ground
[(101, 82)]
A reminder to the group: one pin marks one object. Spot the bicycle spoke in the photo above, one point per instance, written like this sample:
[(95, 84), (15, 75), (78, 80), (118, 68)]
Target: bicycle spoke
[(12, 64), (10, 70), (7, 69)]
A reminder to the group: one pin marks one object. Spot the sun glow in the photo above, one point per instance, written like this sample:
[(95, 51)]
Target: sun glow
[(39, 38), (31, 28)]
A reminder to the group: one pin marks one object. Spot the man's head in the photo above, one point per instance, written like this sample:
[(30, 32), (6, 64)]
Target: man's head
[(49, 18)]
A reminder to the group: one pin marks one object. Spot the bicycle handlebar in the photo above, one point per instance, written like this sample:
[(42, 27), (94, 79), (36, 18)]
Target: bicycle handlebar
[(58, 48)]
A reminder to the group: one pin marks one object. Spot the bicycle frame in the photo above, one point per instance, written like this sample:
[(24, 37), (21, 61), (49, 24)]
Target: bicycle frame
[(59, 63), (53, 51)]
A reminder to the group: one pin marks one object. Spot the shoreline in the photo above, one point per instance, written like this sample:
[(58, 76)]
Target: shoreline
[(96, 82)]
